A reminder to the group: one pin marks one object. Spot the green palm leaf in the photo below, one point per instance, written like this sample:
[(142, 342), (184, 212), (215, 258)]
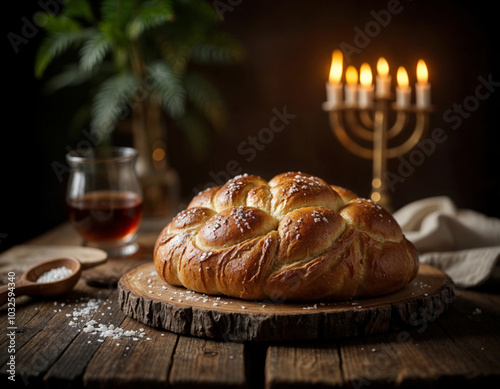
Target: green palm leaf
[(70, 76), (79, 9), (56, 44), (147, 44), (116, 15), (111, 100), (151, 14), (118, 12), (94, 51), (167, 88)]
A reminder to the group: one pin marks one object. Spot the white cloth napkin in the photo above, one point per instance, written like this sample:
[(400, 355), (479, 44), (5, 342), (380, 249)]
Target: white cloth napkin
[(463, 243)]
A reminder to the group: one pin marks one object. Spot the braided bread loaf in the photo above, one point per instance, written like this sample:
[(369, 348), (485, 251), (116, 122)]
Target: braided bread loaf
[(292, 238)]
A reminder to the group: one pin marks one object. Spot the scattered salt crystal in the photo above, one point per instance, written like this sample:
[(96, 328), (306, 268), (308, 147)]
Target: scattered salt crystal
[(55, 274)]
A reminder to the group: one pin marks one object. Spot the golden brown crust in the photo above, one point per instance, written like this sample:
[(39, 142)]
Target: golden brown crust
[(293, 238)]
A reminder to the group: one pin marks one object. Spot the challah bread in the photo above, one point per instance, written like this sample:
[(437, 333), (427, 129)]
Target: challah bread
[(293, 238)]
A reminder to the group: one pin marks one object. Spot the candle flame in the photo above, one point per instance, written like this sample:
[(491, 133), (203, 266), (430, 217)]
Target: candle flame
[(422, 73), (402, 77), (365, 75), (351, 75), (382, 67), (336, 68)]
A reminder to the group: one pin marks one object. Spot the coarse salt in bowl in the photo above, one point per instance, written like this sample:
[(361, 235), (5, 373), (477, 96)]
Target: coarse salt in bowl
[(55, 274)]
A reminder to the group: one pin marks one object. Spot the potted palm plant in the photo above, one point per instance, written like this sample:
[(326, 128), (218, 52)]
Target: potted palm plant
[(141, 60)]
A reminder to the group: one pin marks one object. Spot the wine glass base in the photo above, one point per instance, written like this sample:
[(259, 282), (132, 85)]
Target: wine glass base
[(116, 251)]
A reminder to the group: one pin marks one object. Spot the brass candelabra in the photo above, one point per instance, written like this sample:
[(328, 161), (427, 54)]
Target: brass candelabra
[(371, 125), (361, 121)]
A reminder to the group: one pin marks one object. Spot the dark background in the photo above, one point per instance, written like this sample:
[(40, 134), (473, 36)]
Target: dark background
[(288, 45)]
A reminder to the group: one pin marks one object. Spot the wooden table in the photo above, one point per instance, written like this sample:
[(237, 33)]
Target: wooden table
[(461, 347)]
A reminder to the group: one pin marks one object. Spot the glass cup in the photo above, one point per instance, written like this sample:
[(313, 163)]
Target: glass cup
[(104, 198)]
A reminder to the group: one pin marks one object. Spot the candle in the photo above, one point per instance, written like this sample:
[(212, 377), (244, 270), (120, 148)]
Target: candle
[(366, 90), (334, 86), (351, 88), (383, 89), (403, 91), (422, 88)]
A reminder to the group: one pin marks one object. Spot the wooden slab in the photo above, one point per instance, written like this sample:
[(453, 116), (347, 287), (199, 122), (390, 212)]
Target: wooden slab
[(148, 299), (24, 256)]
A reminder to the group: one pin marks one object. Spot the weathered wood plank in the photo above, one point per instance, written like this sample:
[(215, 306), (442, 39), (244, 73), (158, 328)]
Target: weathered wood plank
[(49, 335), (479, 303), (26, 310), (474, 328), (132, 362), (207, 363), (68, 370), (302, 365), (423, 356)]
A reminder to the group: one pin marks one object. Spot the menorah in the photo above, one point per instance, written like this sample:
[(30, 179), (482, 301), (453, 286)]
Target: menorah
[(365, 113)]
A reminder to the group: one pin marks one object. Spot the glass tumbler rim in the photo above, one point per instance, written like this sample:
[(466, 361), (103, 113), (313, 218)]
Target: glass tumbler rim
[(102, 154)]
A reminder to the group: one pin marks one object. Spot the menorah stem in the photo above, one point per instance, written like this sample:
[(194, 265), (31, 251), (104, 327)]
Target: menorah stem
[(380, 125), (380, 151)]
